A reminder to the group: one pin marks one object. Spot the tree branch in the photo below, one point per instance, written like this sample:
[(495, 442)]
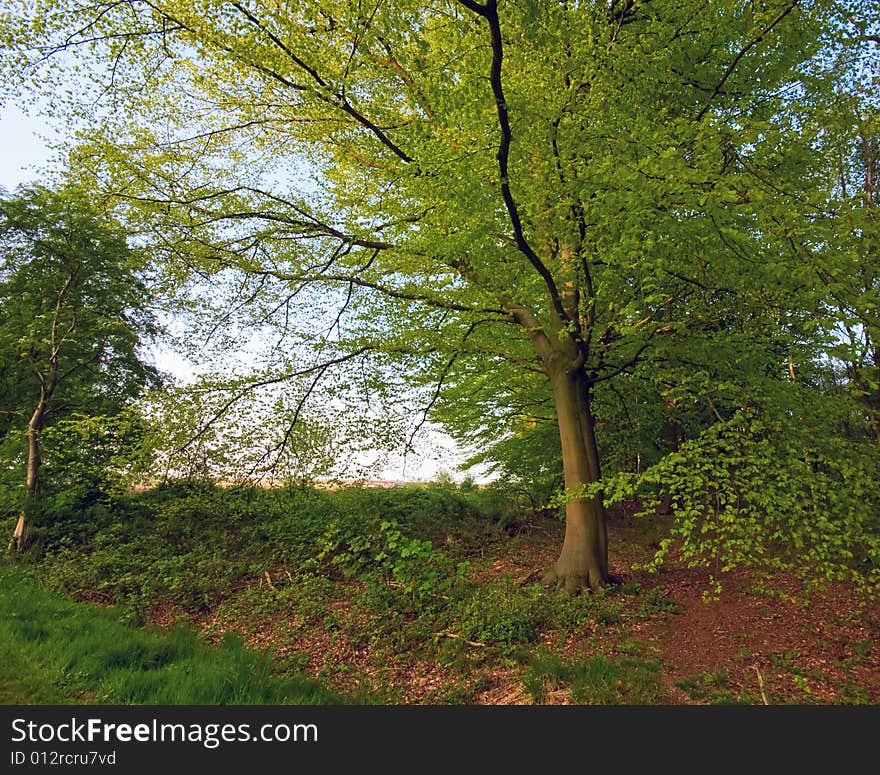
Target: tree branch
[(489, 11), (251, 386), (336, 98), (743, 51)]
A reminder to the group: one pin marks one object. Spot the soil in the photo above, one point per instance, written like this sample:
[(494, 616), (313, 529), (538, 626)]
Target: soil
[(747, 646)]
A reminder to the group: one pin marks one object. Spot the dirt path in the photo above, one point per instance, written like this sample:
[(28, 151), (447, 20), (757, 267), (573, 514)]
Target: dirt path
[(767, 648)]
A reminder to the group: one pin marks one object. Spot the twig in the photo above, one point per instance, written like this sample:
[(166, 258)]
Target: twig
[(269, 580), (761, 685), (530, 576), (458, 637)]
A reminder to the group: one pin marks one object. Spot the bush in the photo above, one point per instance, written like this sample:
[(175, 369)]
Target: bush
[(194, 544), (770, 494)]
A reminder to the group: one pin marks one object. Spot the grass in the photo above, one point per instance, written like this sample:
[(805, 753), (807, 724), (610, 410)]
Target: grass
[(57, 651), (314, 572), (596, 679), (714, 689)]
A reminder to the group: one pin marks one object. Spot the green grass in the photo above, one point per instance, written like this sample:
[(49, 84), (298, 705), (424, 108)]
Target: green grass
[(57, 651), (715, 688), (596, 679)]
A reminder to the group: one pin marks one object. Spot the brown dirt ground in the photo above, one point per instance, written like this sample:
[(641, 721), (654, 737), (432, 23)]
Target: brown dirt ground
[(747, 646), (771, 648)]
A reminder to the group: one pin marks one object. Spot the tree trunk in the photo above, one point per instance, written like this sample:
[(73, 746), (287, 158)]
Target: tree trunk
[(583, 562), (673, 436), (873, 395), (22, 527), (875, 427)]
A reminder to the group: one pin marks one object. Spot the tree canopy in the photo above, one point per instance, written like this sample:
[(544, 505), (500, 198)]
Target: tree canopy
[(74, 316), (539, 209)]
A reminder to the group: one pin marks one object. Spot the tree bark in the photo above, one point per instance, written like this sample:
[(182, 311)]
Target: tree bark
[(583, 561), (19, 539), (874, 395)]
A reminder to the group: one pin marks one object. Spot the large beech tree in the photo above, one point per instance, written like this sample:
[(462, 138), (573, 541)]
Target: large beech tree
[(554, 188)]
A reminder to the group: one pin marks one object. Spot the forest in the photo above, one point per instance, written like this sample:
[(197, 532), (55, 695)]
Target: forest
[(621, 257)]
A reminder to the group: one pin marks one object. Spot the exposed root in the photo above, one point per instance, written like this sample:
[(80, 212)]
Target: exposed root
[(571, 583)]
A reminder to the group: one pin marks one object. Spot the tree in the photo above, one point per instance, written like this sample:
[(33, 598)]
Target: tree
[(846, 264), (556, 188), (73, 317)]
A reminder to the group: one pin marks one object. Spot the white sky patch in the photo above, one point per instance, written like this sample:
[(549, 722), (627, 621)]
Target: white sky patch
[(23, 147)]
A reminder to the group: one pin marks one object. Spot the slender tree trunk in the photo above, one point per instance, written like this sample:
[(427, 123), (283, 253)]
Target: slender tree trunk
[(875, 427), (583, 562), (874, 396), (673, 436), (22, 527), (870, 396)]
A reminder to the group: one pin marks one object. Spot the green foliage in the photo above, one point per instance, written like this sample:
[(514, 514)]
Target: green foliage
[(509, 616), (88, 650), (74, 314), (656, 601), (295, 566), (75, 305), (655, 198), (355, 549), (770, 492), (194, 544), (307, 595), (501, 616)]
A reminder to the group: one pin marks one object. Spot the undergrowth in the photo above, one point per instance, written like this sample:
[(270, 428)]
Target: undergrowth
[(57, 651), (335, 582)]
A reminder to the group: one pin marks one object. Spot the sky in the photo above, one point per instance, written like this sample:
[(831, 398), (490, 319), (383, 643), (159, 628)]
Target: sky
[(22, 147), (24, 151)]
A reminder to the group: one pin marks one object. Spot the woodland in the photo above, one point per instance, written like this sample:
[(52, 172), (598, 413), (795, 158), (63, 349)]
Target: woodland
[(623, 255)]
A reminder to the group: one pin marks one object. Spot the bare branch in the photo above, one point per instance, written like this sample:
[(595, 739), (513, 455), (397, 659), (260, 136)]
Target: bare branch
[(394, 293), (251, 386), (446, 369)]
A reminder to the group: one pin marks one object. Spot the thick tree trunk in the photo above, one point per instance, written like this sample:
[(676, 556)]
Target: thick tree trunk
[(583, 562), (19, 538)]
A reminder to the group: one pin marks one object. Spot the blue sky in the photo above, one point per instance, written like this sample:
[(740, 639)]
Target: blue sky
[(22, 147)]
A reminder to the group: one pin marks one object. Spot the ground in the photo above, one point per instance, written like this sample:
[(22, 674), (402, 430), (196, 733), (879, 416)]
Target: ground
[(743, 646), (747, 646)]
